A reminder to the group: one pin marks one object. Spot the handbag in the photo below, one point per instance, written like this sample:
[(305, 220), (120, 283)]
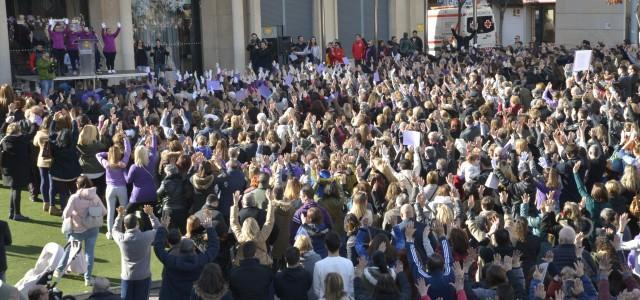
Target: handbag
[(46, 150), (78, 262)]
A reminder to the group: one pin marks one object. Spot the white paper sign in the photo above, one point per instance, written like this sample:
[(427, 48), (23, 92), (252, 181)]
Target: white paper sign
[(582, 60), (412, 138)]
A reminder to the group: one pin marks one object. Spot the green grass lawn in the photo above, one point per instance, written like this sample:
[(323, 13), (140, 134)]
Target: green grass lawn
[(30, 237)]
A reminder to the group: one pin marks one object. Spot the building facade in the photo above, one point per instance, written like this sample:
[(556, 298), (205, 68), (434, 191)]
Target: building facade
[(201, 33)]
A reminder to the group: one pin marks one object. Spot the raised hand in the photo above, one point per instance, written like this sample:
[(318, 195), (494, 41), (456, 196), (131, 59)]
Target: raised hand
[(604, 265), (207, 220), (576, 167), (236, 198), (516, 263), (148, 209), (579, 267), (470, 259), (165, 220), (422, 287), (538, 274), (121, 211), (409, 230)]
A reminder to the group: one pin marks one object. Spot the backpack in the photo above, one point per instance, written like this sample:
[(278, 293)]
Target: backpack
[(93, 218)]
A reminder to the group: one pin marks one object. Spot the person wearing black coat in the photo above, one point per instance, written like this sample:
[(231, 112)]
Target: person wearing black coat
[(293, 282), (463, 41), (5, 240), (263, 58), (181, 270), (15, 147), (140, 56), (172, 194), (251, 271), (65, 166), (202, 182)]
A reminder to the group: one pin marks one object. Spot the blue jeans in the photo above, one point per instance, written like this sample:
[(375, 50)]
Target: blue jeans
[(62, 188), (157, 68), (135, 289), (45, 87), (89, 237), (45, 184)]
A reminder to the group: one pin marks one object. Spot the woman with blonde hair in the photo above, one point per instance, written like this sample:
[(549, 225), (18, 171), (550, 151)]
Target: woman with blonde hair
[(115, 164), (89, 144), (292, 192), (630, 180), (249, 230), (15, 175), (144, 187), (334, 288), (360, 208), (41, 140)]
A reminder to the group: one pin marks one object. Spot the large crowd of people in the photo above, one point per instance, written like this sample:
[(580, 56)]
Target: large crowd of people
[(470, 174)]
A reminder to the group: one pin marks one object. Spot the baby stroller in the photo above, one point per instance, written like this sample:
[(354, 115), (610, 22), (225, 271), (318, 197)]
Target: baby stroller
[(42, 273)]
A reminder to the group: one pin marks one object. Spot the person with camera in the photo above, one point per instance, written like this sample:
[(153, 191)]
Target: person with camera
[(46, 70)]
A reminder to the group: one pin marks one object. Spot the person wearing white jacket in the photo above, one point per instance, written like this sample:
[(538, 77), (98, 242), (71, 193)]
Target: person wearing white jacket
[(76, 210)]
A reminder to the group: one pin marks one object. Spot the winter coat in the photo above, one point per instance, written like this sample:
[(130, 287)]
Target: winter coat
[(251, 280), (180, 272), (261, 239), (78, 206), (283, 212), (65, 164), (45, 69), (358, 49), (172, 193), (42, 136), (88, 161), (229, 182), (293, 283), (335, 207), (316, 233), (16, 151), (202, 187)]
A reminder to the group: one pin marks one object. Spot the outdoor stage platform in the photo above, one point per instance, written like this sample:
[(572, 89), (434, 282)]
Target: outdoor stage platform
[(99, 76)]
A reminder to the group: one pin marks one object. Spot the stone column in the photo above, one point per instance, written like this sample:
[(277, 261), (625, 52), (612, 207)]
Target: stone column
[(237, 12), (126, 36), (255, 17), (330, 21), (5, 58), (399, 17)]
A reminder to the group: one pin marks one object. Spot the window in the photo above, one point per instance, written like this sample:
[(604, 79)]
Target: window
[(176, 23)]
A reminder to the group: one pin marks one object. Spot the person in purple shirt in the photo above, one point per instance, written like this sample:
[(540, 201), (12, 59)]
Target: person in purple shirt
[(109, 49), (74, 34), (57, 34), (115, 165), (141, 175)]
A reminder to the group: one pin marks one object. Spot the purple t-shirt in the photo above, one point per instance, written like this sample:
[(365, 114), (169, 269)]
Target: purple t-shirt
[(109, 41), (57, 38)]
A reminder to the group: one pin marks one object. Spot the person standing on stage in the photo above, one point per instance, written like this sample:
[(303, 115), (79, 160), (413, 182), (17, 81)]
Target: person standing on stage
[(57, 34), (109, 49)]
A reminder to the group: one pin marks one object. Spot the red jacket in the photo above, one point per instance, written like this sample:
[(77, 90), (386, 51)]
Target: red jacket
[(337, 54), (358, 49)]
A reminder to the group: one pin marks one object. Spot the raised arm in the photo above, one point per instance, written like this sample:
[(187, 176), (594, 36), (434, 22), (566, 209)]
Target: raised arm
[(235, 224), (127, 150)]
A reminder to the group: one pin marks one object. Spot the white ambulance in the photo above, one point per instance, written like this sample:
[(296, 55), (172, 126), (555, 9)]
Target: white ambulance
[(441, 19)]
